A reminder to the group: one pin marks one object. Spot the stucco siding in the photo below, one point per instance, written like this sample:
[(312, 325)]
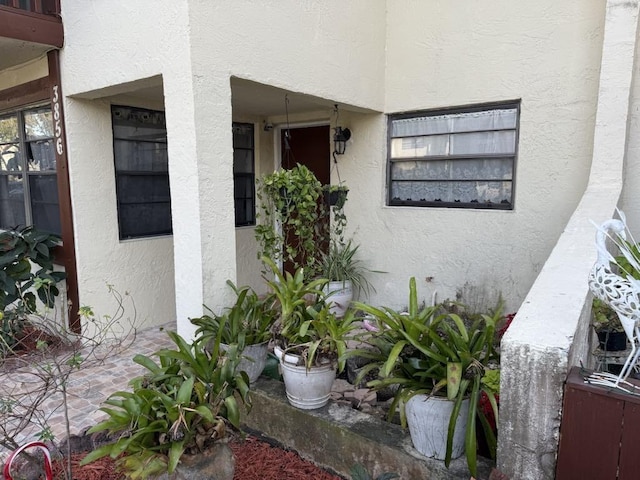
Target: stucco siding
[(112, 54), (545, 53), (629, 202)]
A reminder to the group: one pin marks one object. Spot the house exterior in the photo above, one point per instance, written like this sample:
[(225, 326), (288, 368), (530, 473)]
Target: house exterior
[(484, 139)]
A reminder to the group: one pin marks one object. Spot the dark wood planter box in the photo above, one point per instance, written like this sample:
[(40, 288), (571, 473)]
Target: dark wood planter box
[(599, 434)]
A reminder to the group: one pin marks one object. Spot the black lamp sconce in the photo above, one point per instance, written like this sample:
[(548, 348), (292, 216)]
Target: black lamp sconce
[(340, 139)]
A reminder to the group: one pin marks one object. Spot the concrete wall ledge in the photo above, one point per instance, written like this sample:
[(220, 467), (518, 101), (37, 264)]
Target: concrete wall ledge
[(337, 437)]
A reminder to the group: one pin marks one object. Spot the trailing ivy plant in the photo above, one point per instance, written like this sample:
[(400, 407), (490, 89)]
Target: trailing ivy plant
[(289, 216)]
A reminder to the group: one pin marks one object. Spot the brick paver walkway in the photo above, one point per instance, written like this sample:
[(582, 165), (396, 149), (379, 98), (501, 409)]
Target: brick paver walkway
[(89, 386)]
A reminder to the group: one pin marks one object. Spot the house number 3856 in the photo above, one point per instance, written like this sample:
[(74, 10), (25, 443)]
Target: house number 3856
[(57, 121)]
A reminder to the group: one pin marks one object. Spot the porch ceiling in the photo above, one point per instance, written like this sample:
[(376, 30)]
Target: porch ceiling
[(15, 52), (253, 98)]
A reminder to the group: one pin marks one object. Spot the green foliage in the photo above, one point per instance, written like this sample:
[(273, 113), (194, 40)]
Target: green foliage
[(626, 267), (247, 322), (339, 224), (19, 250), (289, 229), (604, 317), (306, 326), (358, 472), (341, 264), (430, 350), (180, 405)]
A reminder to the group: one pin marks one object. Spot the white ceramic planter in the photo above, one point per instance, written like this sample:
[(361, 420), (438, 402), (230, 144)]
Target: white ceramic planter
[(428, 420), (307, 389), (254, 358), (339, 296)]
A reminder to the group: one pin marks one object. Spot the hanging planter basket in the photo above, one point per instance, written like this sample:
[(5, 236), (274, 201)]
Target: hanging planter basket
[(335, 197)]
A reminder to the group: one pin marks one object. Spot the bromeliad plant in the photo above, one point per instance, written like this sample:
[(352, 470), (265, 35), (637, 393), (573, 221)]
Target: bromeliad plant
[(432, 351), (247, 322), (340, 264), (181, 405), (305, 326)]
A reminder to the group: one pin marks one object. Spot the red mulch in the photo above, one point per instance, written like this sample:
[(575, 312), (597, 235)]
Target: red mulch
[(255, 460)]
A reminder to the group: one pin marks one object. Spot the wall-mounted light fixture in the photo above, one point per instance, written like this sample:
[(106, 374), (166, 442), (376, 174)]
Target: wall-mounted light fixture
[(340, 140)]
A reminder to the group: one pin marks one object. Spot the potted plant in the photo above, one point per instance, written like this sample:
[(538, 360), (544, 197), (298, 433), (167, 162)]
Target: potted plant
[(247, 324), (346, 275), (177, 411), (289, 214), (611, 335), (335, 195), (310, 340), (437, 361)]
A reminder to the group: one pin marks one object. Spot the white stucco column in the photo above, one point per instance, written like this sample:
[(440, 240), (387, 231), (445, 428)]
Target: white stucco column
[(199, 135), (185, 201), (551, 330)]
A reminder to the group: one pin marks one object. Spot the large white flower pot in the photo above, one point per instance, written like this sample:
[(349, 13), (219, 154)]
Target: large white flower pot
[(428, 420), (307, 389), (253, 360), (339, 296)]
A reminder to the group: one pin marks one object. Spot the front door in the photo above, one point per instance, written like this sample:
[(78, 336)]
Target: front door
[(309, 146)]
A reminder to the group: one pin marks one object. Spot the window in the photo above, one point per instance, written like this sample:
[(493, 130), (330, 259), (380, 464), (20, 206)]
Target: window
[(28, 179), (243, 174), (454, 158), (142, 173)]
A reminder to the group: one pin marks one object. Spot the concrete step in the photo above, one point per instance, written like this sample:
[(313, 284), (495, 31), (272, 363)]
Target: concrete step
[(337, 437)]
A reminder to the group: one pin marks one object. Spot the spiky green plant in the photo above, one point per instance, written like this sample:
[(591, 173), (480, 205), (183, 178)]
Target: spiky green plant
[(182, 404), (429, 350)]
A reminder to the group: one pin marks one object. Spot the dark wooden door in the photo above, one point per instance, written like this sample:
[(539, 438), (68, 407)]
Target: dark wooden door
[(309, 146)]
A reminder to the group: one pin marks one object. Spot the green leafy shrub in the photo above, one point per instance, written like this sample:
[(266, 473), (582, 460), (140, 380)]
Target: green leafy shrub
[(181, 405), (20, 250), (429, 350), (247, 322), (21, 283)]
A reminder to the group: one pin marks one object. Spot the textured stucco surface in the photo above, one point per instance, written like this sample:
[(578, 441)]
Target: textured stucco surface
[(140, 54), (546, 53), (551, 333), (195, 47)]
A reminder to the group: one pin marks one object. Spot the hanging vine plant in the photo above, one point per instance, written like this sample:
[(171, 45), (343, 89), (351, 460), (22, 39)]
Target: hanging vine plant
[(289, 218)]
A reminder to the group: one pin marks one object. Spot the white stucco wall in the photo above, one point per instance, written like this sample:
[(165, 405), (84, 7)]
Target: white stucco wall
[(110, 49), (195, 47), (341, 59), (630, 201), (384, 56), (551, 331), (546, 53)]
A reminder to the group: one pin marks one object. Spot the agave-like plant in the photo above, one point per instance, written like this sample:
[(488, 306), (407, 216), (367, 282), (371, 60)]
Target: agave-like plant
[(247, 322), (429, 350), (181, 405)]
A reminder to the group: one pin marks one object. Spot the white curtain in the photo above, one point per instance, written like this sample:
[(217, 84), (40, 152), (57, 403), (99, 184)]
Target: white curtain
[(481, 179)]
